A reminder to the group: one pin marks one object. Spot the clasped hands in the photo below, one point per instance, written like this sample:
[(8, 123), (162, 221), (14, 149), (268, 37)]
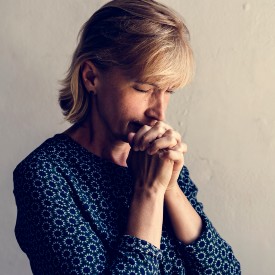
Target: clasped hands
[(156, 157)]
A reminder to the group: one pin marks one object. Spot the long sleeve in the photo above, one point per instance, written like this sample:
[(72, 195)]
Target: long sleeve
[(209, 254), (73, 210), (58, 238)]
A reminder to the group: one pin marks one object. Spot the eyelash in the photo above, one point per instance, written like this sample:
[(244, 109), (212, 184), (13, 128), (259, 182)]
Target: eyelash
[(170, 92), (142, 91), (146, 91)]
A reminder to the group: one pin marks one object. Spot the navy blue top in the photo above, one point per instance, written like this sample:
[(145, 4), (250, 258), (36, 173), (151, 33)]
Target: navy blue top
[(72, 215)]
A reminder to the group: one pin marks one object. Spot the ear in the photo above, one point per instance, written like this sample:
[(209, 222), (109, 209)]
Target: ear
[(90, 76)]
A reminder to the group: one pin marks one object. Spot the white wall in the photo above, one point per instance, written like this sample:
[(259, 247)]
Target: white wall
[(227, 115)]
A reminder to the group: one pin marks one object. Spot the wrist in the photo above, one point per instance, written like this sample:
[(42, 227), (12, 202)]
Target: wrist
[(172, 192), (146, 215), (152, 190), (151, 193)]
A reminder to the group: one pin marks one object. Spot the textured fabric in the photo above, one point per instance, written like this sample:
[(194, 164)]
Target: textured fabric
[(72, 215)]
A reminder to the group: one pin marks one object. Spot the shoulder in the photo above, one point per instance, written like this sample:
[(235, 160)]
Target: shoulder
[(41, 169), (43, 155)]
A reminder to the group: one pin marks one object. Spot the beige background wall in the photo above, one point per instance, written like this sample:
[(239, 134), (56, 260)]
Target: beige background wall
[(227, 115)]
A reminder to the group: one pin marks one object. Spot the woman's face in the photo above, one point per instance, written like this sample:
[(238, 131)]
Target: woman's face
[(122, 105)]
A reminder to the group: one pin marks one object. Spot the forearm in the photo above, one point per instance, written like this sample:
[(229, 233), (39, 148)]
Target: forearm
[(186, 222), (146, 216)]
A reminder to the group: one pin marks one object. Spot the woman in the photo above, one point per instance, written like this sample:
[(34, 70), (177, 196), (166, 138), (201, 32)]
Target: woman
[(111, 194)]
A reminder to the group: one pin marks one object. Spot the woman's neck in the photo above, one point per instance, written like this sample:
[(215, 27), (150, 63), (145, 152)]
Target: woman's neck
[(98, 143)]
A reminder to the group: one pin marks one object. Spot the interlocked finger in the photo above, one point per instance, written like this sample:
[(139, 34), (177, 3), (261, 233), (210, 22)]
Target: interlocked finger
[(167, 142), (175, 156), (180, 147), (142, 131), (146, 135)]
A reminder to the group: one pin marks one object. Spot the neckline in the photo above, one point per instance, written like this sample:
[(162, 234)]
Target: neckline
[(106, 161)]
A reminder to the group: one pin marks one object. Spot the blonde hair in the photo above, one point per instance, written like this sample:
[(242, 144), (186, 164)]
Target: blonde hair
[(142, 37)]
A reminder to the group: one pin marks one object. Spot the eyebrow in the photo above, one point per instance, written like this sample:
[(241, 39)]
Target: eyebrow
[(147, 83)]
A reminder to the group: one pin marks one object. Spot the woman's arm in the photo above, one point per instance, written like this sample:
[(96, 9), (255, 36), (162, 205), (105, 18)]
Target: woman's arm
[(54, 232), (186, 222), (152, 176), (204, 250), (208, 253), (146, 216)]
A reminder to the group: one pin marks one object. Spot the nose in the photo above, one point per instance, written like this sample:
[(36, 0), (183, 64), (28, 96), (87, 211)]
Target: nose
[(157, 107)]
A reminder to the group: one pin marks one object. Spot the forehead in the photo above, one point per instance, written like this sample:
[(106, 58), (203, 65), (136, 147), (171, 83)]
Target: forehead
[(155, 80), (159, 81), (135, 75), (159, 74)]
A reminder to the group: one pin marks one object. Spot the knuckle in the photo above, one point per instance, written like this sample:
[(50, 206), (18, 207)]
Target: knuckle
[(167, 138), (170, 131), (159, 123), (143, 138), (167, 154), (146, 127), (163, 125), (158, 128), (153, 146)]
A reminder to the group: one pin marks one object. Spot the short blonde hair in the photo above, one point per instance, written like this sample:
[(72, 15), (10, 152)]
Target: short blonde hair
[(142, 37)]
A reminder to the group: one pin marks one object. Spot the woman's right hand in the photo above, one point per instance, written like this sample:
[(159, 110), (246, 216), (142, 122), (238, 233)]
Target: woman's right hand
[(153, 165), (151, 173), (156, 156)]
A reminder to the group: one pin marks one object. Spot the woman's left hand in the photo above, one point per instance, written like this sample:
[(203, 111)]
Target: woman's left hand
[(161, 139)]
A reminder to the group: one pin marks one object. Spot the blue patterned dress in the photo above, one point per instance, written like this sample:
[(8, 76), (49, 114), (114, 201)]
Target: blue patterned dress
[(72, 215)]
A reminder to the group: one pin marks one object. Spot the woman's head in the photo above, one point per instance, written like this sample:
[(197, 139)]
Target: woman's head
[(142, 37)]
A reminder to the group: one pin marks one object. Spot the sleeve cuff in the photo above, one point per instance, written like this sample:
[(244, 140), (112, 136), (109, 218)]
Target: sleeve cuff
[(136, 256), (204, 247), (133, 244)]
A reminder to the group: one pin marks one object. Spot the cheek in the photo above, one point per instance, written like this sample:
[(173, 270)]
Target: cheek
[(128, 112), (135, 108), (132, 105)]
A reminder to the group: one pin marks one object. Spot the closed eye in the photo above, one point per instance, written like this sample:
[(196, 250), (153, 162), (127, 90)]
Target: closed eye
[(141, 90), (170, 92)]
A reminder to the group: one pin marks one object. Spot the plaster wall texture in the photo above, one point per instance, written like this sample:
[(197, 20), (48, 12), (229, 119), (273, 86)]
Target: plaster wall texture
[(226, 116)]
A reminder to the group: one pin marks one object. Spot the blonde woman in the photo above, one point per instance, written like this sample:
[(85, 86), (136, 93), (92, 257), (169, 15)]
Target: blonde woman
[(111, 194)]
